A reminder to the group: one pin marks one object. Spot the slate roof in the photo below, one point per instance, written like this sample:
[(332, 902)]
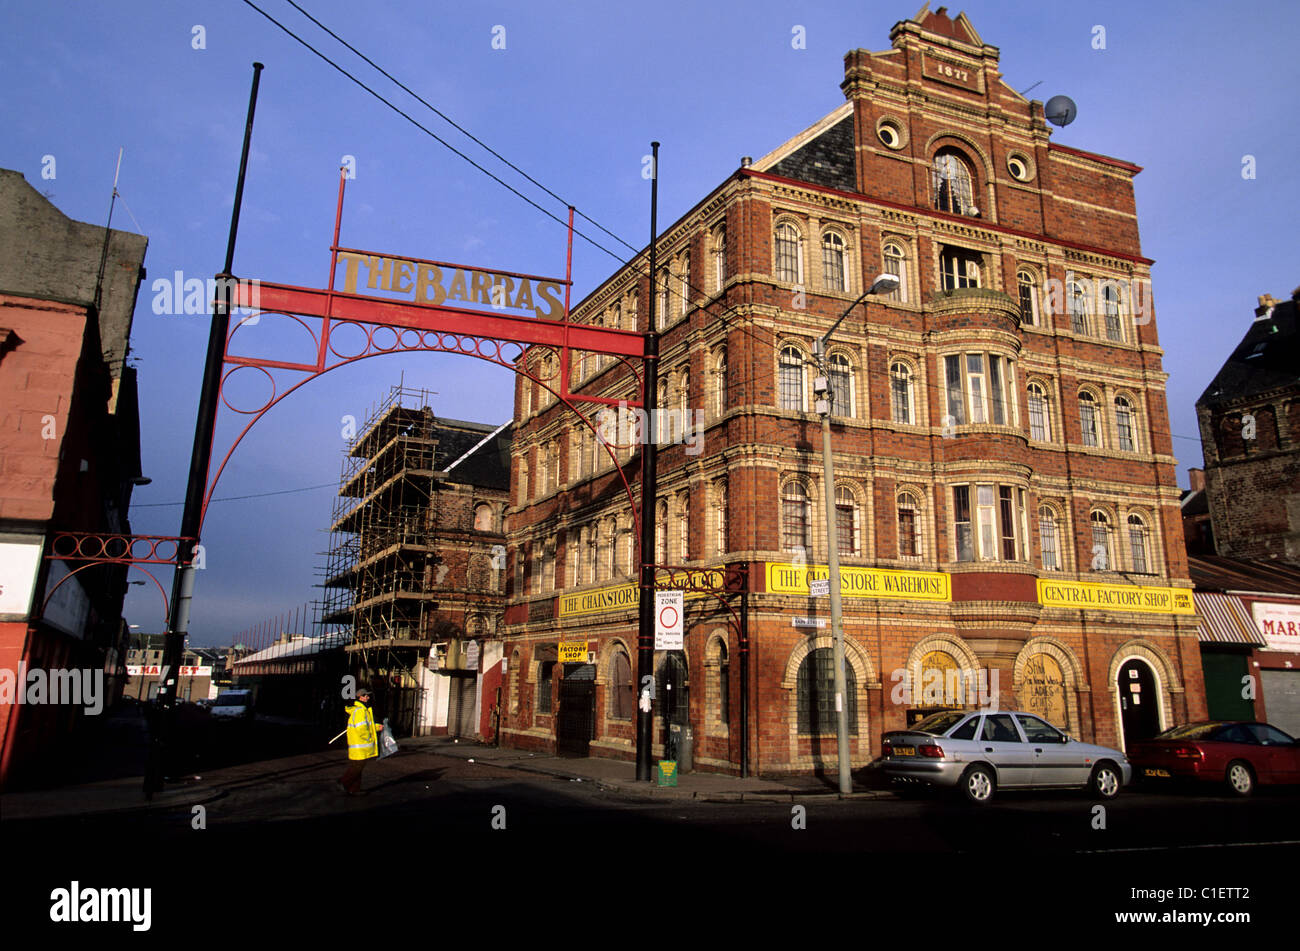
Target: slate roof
[(1216, 573), (488, 464), (1267, 359)]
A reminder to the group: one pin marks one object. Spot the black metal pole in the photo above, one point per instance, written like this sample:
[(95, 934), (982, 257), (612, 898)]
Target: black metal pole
[(649, 459), (183, 580)]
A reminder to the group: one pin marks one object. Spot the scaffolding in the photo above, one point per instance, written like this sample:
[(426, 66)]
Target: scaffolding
[(381, 557)]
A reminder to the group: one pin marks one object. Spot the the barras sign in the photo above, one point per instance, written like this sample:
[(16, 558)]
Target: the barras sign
[(862, 582), (1115, 597), (438, 283)]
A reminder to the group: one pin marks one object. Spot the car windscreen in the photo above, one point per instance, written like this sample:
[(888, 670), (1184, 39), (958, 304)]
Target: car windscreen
[(938, 723), (238, 700), (1191, 731)]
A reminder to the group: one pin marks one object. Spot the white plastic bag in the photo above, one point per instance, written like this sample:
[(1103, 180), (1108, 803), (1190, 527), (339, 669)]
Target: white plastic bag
[(387, 745)]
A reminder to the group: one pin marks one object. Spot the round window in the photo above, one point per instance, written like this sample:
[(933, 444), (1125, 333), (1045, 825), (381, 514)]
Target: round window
[(1018, 166), (890, 133)]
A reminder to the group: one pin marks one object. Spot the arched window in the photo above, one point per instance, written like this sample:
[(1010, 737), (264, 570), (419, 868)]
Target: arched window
[(1110, 306), (896, 264), (621, 697), (1049, 538), (1103, 555), (795, 518), (661, 532), (789, 254), (483, 518), (1124, 429), (720, 257), (1139, 545), (953, 191), (1028, 298), (720, 516), (723, 684), (833, 275), (604, 550), (684, 283), (1089, 420), (791, 384), (720, 381), (816, 694), (909, 526), (900, 388), (548, 565), (592, 553), (1040, 414), (684, 391), (661, 304), (1076, 303), (841, 380), (683, 526), (846, 521), (523, 481)]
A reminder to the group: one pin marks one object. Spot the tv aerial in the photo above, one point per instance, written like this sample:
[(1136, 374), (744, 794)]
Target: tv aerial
[(1060, 110)]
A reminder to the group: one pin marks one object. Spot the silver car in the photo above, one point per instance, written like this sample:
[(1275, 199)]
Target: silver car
[(981, 752)]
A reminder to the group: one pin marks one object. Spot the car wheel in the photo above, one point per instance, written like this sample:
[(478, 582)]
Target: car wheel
[(1241, 780), (977, 784), (1105, 781)]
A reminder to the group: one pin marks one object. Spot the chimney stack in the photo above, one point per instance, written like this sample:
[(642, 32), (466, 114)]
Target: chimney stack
[(1197, 479)]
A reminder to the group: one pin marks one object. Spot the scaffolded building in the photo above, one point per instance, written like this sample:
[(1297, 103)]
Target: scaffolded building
[(416, 562)]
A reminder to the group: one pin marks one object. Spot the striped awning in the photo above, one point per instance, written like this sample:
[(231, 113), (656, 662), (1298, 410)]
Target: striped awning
[(1225, 620)]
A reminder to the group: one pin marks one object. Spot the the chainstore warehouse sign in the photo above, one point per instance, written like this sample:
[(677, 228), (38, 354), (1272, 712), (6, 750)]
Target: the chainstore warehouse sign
[(785, 578), (1114, 597), (621, 597)]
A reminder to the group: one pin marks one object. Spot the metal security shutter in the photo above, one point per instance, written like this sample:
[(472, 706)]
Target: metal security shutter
[(1282, 699), (462, 707)]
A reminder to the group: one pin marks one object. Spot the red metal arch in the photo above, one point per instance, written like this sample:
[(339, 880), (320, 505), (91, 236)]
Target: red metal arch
[(107, 561)]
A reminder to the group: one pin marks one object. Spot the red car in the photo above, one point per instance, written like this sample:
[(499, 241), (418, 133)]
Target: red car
[(1239, 754)]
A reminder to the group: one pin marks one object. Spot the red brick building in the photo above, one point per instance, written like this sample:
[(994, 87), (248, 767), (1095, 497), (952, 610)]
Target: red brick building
[(1005, 491), (69, 453)]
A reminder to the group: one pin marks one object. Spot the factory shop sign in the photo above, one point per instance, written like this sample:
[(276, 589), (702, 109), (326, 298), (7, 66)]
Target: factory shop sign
[(862, 582), (1115, 597)]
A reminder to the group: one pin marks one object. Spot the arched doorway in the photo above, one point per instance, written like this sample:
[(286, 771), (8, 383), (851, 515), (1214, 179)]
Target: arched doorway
[(1139, 702), (674, 701)]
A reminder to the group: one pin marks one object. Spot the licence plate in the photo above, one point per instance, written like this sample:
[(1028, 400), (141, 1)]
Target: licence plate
[(1156, 772), (904, 750)]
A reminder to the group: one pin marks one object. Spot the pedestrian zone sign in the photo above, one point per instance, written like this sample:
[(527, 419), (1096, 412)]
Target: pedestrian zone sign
[(669, 606)]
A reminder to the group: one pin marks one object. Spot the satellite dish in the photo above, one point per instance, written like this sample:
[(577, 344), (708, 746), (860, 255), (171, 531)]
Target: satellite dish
[(1060, 110)]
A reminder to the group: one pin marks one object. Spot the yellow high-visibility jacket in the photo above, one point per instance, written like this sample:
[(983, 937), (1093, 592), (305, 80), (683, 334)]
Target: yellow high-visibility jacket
[(362, 740)]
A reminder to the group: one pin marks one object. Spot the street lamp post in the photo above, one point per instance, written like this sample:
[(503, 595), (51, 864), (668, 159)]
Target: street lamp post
[(883, 284)]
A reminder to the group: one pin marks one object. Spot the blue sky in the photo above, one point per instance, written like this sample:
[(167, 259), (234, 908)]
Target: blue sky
[(1186, 90)]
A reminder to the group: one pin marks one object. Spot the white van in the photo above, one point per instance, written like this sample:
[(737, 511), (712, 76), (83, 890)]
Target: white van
[(233, 704)]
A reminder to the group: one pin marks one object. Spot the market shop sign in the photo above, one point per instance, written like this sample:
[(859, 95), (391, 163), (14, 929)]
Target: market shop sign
[(1280, 625), (1144, 599), (783, 578), (622, 596)]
